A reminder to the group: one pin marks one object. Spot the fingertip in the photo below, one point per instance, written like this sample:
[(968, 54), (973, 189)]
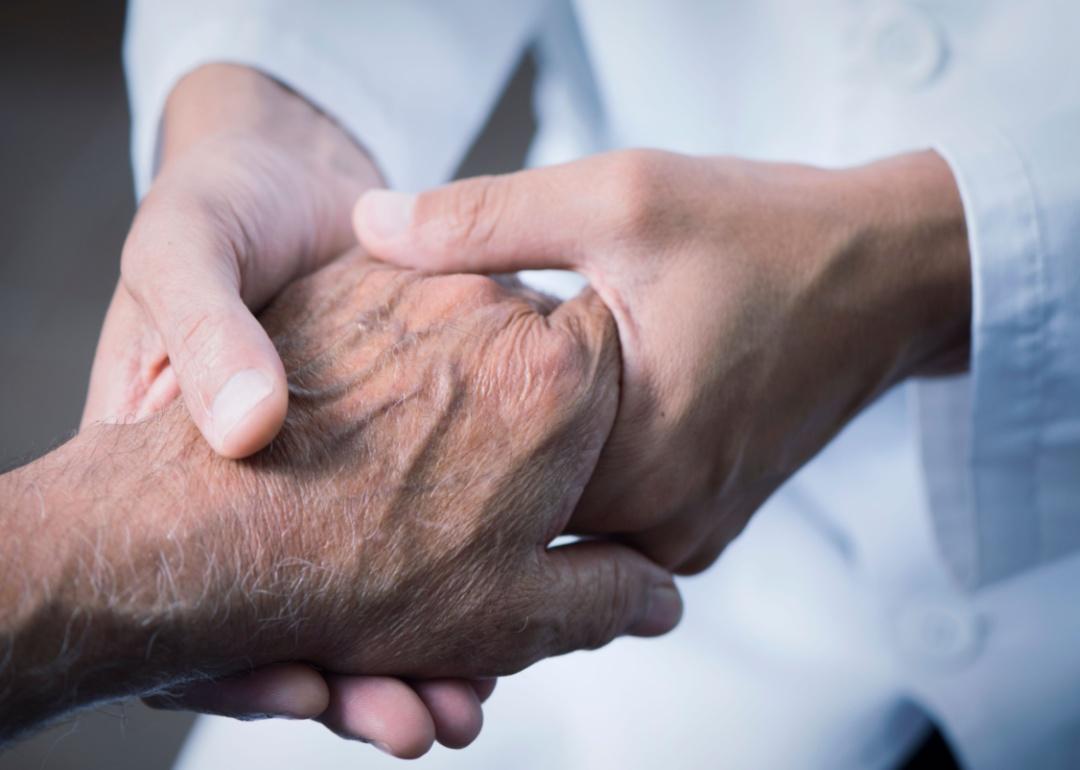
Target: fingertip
[(247, 412), (358, 218), (484, 687), (229, 372), (663, 611), (382, 711), (381, 217), (599, 578), (455, 709)]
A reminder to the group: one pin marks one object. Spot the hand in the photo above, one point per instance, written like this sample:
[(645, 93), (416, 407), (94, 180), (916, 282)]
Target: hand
[(759, 306), (441, 432), (254, 190)]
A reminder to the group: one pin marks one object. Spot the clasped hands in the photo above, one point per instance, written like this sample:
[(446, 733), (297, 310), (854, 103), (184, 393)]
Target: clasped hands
[(441, 430)]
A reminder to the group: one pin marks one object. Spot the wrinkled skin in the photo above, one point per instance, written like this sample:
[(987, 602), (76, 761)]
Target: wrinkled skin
[(441, 432)]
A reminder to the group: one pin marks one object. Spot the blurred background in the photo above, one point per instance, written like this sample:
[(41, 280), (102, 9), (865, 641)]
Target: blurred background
[(65, 206)]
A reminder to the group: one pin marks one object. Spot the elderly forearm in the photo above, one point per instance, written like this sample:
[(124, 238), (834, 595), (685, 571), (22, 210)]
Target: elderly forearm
[(106, 590)]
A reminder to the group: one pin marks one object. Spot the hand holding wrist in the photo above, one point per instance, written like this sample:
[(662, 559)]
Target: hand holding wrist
[(398, 525), (760, 307)]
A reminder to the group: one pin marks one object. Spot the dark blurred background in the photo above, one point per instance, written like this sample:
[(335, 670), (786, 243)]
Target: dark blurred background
[(65, 206)]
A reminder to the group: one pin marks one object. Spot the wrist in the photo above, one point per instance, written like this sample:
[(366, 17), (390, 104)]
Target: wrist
[(226, 99), (908, 231), (271, 126), (110, 587)]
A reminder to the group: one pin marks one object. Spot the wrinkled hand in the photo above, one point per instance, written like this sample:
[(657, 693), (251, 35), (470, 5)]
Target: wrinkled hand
[(441, 432), (759, 306), (254, 190)]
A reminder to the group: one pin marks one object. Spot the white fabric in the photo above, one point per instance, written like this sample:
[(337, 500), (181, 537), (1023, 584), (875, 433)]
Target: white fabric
[(841, 606)]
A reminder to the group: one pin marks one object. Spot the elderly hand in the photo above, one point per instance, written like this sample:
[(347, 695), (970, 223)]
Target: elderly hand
[(254, 190), (759, 306), (441, 433)]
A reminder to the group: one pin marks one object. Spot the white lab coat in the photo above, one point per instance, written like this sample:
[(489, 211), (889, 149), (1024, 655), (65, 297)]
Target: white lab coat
[(926, 563)]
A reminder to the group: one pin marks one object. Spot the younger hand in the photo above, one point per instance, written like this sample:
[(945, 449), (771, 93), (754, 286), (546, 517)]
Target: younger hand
[(760, 307)]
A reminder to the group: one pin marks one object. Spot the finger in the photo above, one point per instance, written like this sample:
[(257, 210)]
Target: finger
[(484, 687), (602, 590), (162, 392), (527, 220), (586, 321), (587, 318), (129, 358), (382, 711), (282, 690), (455, 709), (230, 375)]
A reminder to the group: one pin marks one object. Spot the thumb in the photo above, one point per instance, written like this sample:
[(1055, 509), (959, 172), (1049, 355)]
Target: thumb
[(229, 373), (606, 590), (531, 219)]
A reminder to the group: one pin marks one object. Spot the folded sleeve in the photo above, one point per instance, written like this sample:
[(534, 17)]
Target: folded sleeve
[(1002, 445), (412, 80)]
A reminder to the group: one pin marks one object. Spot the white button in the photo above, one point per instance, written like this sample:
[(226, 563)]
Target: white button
[(908, 46), (939, 632)]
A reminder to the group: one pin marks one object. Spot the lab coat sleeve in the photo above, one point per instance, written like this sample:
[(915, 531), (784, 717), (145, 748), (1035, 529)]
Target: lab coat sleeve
[(411, 80), (1013, 501)]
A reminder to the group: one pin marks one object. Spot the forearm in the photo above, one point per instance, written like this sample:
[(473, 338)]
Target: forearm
[(229, 98), (106, 587)]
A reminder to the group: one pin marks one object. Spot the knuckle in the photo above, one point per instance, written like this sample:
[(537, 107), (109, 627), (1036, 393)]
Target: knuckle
[(562, 368), (547, 368), (564, 358), (465, 289), (612, 582), (635, 180), (446, 299)]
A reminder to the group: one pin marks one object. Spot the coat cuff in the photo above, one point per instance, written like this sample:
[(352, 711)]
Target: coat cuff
[(980, 433)]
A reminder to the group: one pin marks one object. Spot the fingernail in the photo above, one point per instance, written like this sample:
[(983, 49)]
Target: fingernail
[(237, 397), (387, 213), (382, 747), (663, 614)]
